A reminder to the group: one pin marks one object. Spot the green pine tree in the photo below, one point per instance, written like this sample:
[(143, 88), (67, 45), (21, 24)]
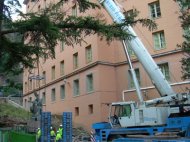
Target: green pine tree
[(185, 46), (41, 32)]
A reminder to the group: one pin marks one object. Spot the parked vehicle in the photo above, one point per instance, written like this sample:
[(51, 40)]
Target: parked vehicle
[(166, 118)]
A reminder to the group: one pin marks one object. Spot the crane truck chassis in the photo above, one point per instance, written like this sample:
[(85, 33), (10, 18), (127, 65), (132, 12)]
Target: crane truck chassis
[(164, 119)]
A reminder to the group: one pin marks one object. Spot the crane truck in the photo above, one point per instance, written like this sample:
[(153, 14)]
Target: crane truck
[(149, 120)]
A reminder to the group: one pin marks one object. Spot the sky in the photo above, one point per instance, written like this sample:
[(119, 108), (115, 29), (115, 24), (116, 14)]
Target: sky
[(23, 6), (23, 9)]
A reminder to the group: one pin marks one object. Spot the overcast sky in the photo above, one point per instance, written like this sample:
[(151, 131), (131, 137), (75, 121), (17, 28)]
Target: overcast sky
[(23, 9), (23, 6)]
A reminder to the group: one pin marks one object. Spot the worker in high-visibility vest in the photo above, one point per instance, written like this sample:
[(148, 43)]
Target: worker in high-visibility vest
[(58, 137), (60, 129), (52, 134), (39, 134)]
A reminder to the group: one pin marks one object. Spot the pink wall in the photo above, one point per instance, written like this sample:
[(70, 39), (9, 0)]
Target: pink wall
[(108, 66)]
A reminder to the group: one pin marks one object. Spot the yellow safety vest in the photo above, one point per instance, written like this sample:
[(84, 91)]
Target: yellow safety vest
[(52, 133), (58, 137), (38, 134), (61, 131)]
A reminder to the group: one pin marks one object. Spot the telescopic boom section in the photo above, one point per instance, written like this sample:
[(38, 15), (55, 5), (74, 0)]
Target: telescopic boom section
[(141, 52)]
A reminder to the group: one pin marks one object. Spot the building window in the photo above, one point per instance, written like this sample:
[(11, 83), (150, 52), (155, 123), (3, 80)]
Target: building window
[(44, 77), (130, 51), (129, 13), (30, 102), (75, 60), (25, 103), (89, 83), (37, 83), (62, 68), (26, 87), (45, 3), (43, 98), (90, 109), (76, 111), (74, 10), (159, 40), (183, 4), (62, 92), (53, 97), (88, 54), (187, 65), (53, 73), (30, 84), (76, 87), (154, 8), (131, 82), (165, 70), (62, 46), (39, 7), (33, 84)]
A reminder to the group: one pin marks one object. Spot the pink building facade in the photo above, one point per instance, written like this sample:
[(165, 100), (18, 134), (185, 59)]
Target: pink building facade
[(85, 78)]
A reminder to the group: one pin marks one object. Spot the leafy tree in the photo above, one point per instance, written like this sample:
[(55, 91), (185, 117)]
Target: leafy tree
[(41, 32), (185, 46)]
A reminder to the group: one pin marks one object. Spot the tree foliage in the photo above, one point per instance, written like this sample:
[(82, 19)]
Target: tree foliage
[(42, 30), (185, 46)]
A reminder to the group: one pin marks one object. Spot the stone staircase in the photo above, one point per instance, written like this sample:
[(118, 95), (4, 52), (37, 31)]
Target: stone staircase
[(15, 101)]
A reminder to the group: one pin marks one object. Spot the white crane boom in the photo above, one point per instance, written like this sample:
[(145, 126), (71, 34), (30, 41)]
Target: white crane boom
[(140, 51)]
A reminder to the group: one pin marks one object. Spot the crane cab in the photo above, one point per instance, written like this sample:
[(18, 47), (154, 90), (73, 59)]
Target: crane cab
[(129, 114)]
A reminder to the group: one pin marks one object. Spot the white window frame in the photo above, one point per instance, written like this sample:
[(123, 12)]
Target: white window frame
[(26, 87), (76, 87), (75, 61), (153, 9), (62, 92), (165, 71), (53, 95), (52, 72), (89, 83), (88, 53), (62, 68), (161, 43), (44, 98), (74, 10), (44, 77)]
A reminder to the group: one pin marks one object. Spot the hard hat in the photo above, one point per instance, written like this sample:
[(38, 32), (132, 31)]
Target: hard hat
[(60, 125), (51, 127), (38, 129)]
